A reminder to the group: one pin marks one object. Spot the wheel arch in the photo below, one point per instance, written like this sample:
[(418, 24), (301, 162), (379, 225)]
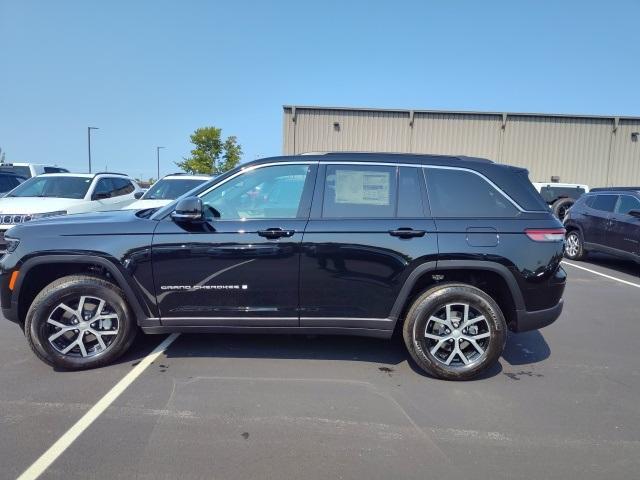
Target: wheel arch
[(571, 226), (493, 278), (24, 292)]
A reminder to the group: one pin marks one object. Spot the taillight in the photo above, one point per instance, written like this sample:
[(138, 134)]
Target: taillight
[(545, 234)]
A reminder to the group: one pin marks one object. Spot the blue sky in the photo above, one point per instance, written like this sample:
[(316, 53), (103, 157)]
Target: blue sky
[(149, 73)]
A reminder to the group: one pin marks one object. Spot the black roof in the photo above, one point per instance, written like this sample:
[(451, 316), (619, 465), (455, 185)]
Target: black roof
[(411, 158)]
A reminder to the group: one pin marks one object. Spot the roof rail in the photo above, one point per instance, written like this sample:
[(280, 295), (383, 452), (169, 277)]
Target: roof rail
[(110, 173)]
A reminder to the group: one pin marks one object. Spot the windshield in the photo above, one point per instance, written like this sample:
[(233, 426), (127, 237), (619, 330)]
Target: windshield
[(171, 189), (59, 187), (18, 170)]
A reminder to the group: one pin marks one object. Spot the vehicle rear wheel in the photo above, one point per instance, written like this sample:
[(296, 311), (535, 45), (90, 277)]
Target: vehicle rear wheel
[(574, 246), (561, 206), (79, 322), (455, 331)]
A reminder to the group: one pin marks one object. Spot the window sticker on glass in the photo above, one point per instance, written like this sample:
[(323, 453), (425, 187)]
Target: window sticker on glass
[(365, 188)]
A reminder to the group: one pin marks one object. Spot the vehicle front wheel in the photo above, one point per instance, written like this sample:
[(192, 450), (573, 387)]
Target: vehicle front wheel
[(79, 322), (574, 246), (455, 331)]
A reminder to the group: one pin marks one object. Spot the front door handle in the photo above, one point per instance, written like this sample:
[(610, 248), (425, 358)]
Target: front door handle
[(276, 233), (406, 233)]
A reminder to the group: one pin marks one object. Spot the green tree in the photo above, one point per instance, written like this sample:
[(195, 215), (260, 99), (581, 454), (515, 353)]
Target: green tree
[(212, 155)]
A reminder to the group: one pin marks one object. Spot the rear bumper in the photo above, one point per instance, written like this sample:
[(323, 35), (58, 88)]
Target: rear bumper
[(537, 319)]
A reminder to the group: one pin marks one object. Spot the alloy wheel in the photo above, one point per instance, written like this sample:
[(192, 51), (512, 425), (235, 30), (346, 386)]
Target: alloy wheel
[(83, 327), (572, 245), (457, 335)]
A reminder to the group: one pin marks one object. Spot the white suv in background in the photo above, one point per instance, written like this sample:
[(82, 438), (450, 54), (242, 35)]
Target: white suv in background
[(28, 170), (65, 193), (167, 189)]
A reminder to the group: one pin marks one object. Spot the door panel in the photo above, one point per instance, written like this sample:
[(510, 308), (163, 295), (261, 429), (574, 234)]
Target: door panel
[(355, 269), (232, 273), (598, 212), (624, 230), (357, 252), (241, 267)]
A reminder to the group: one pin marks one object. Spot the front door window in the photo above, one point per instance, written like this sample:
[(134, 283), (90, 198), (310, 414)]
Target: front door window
[(264, 193)]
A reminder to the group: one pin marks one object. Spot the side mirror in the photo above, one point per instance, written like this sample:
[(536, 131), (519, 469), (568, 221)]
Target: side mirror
[(634, 213), (138, 195), (188, 210)]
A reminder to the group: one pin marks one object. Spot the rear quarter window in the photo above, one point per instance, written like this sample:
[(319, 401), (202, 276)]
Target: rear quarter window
[(461, 193)]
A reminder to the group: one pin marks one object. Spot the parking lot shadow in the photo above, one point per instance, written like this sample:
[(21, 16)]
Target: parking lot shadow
[(282, 346), (520, 349), (627, 267), (525, 348)]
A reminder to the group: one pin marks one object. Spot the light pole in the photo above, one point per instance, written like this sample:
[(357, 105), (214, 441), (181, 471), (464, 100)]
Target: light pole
[(158, 160), (89, 143)]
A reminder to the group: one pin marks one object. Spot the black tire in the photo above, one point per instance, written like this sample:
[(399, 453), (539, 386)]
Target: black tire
[(419, 320), (574, 245), (561, 206), (62, 291)]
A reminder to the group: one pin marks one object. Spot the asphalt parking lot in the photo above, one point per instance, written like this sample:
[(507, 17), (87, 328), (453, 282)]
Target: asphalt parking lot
[(563, 403)]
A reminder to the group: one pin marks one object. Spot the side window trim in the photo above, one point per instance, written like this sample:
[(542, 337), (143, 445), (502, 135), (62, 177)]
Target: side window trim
[(497, 188)]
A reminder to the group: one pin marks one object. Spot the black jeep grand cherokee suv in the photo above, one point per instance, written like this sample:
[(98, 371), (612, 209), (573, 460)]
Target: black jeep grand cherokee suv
[(451, 250)]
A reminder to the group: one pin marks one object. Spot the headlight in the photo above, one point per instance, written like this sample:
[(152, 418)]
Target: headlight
[(12, 244), (36, 216)]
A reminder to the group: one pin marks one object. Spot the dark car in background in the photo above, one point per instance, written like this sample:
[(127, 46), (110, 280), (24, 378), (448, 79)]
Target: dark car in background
[(605, 220), (28, 170), (9, 181)]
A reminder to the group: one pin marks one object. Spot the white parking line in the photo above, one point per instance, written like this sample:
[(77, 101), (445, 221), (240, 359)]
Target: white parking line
[(564, 262), (58, 448)]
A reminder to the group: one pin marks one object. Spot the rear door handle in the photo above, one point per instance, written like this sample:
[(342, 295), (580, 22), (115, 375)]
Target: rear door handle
[(407, 233), (276, 233)]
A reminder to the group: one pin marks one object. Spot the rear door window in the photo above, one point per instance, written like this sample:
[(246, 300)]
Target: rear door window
[(457, 193), (604, 203), (360, 191)]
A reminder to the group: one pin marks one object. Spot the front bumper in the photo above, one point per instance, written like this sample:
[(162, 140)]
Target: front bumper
[(533, 320)]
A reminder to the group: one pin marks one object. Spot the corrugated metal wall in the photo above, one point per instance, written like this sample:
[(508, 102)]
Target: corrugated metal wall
[(445, 133), (579, 149)]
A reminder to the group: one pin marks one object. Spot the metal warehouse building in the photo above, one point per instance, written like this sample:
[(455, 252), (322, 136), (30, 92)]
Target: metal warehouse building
[(596, 150)]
